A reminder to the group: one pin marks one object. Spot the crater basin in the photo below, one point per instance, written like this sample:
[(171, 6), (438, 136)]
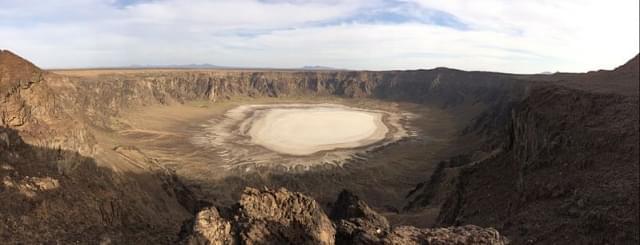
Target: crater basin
[(304, 131)]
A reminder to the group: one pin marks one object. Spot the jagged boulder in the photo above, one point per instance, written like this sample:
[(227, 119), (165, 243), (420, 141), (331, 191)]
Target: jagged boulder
[(210, 228), (357, 223), (284, 217), (265, 217), (277, 217)]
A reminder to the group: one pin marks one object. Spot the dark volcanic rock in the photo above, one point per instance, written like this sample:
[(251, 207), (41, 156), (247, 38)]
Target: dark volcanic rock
[(265, 217), (276, 217), (355, 220), (283, 217)]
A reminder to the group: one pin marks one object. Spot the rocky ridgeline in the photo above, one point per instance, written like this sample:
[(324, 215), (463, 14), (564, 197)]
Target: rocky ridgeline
[(283, 217)]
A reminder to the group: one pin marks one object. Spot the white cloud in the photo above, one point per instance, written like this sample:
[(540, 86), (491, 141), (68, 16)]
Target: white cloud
[(239, 13), (400, 46), (586, 34), (509, 36)]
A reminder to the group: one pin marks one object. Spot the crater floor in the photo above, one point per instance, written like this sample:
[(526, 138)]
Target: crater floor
[(307, 130)]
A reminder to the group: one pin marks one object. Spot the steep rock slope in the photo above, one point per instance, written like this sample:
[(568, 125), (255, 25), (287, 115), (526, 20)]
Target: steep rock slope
[(16, 75), (568, 171), (52, 193), (33, 106), (57, 196)]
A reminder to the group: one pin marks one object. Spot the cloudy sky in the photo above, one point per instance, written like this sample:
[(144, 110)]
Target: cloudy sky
[(498, 35)]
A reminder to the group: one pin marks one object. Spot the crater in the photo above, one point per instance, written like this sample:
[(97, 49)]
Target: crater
[(300, 134)]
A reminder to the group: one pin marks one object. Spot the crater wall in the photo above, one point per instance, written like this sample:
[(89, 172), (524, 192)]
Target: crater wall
[(558, 162)]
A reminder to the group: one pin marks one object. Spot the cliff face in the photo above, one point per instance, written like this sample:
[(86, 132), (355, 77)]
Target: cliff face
[(16, 75), (51, 190), (32, 106), (103, 97), (568, 172)]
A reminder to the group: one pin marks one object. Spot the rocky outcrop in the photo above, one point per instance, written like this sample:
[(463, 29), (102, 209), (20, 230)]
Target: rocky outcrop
[(283, 217), (16, 75), (265, 217), (355, 220), (357, 223), (210, 228), (31, 104)]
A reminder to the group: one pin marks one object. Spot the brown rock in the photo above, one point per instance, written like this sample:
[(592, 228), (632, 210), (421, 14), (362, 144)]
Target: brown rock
[(210, 228), (277, 217), (283, 217), (468, 234), (356, 220)]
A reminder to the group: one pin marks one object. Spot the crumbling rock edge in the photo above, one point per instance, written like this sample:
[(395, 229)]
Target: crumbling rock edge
[(283, 217)]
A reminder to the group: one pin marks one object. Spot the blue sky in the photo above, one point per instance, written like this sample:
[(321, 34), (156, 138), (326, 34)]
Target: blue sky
[(497, 35)]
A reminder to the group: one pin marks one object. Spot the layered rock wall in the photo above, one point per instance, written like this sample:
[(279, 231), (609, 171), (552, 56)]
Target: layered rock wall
[(98, 101)]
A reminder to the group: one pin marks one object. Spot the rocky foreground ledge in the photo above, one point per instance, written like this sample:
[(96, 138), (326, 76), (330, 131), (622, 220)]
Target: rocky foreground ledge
[(284, 217)]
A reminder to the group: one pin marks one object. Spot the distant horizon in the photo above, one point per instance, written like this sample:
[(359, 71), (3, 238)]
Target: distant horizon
[(521, 37), (204, 65), (306, 67), (207, 66), (216, 67), (193, 66)]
